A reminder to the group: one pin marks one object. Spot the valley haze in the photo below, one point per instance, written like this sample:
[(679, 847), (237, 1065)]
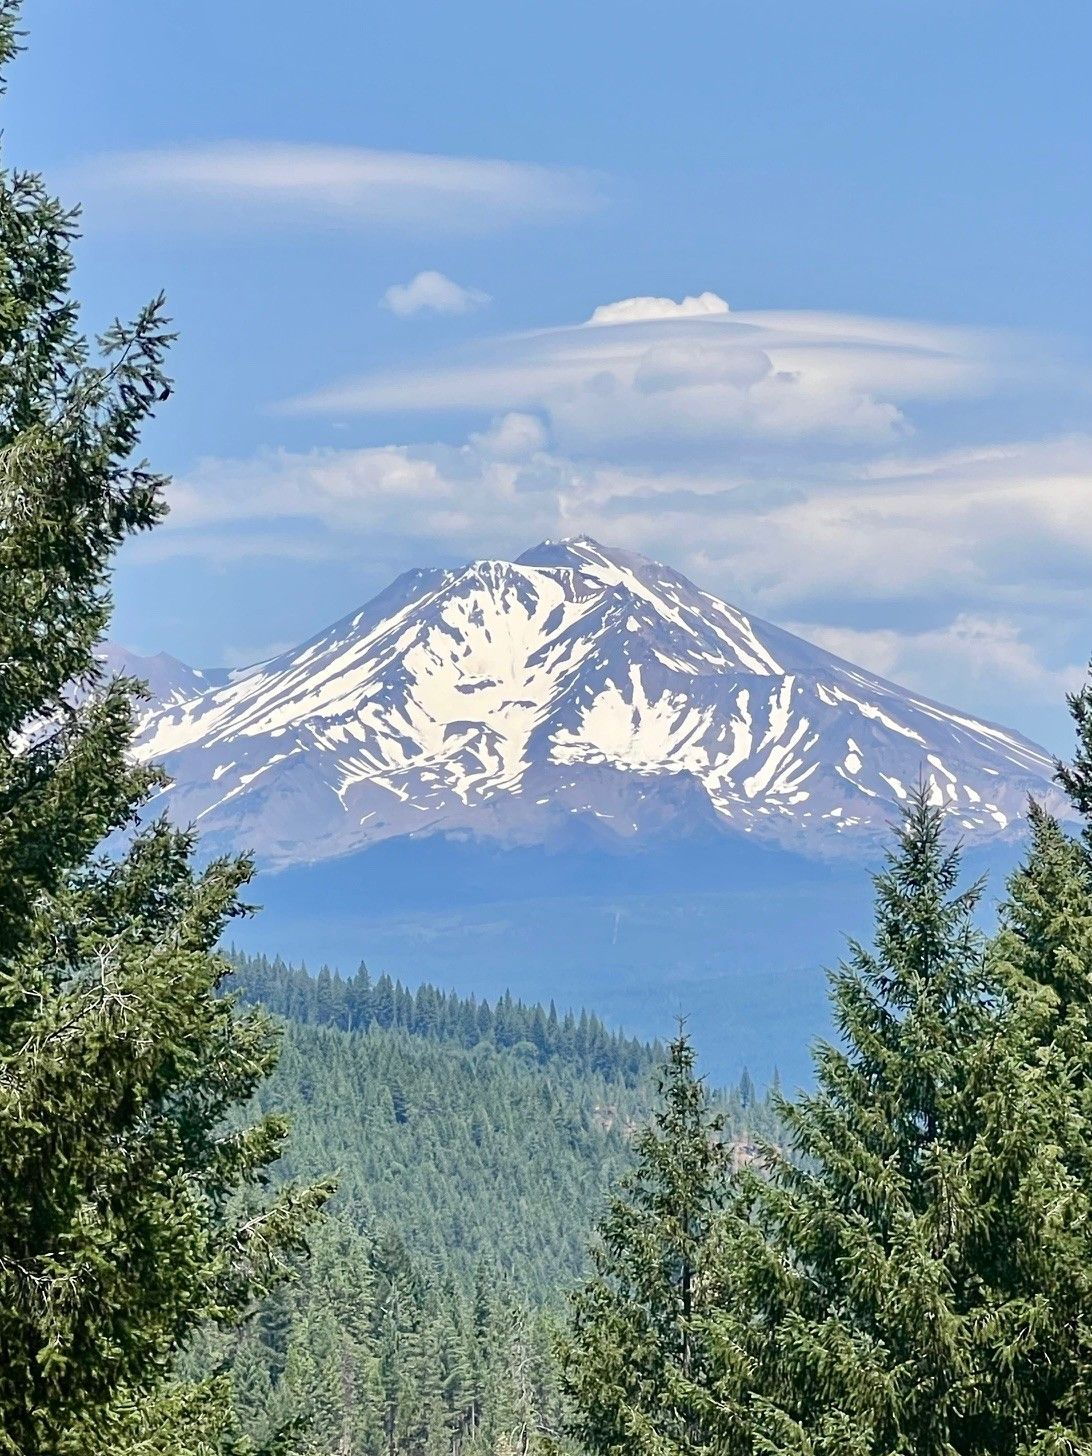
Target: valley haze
[(579, 776)]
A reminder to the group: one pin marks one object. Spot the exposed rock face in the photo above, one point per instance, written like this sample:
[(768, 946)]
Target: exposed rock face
[(577, 685)]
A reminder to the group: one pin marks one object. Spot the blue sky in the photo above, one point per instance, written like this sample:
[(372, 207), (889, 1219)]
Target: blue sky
[(384, 230)]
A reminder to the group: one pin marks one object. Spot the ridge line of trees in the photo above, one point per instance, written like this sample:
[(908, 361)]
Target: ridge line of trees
[(356, 1002)]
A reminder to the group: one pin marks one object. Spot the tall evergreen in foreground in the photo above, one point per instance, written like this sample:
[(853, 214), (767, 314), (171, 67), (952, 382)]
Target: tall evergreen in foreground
[(118, 1061), (636, 1363), (1044, 952), (853, 1301), (899, 1283)]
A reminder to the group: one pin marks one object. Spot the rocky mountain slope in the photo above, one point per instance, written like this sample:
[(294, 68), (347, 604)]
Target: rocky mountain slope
[(168, 680), (576, 689)]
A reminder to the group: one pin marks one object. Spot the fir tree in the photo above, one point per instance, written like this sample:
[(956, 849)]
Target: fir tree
[(860, 1294), (1076, 776), (888, 1289), (1044, 954), (121, 1225), (636, 1362)]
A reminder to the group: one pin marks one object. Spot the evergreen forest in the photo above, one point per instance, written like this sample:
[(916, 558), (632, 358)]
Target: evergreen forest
[(474, 1148), (250, 1211)]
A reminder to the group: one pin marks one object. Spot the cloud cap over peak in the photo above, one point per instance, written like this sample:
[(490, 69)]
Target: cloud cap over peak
[(690, 377)]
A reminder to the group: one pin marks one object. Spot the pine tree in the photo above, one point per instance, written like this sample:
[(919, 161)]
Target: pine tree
[(888, 1289), (251, 1386), (397, 1332), (1076, 777), (121, 1222), (1044, 954), (857, 1289), (635, 1361)]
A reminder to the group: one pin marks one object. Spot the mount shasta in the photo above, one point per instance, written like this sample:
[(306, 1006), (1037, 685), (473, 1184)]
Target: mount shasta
[(578, 691)]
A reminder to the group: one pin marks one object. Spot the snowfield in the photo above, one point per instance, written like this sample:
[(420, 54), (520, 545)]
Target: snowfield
[(578, 684)]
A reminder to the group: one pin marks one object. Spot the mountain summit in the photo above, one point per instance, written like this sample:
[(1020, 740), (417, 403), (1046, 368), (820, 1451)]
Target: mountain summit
[(577, 687)]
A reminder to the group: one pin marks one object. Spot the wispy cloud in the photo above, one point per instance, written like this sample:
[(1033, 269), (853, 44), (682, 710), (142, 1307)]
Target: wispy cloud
[(432, 292), (970, 532), (973, 564), (649, 373), (294, 183)]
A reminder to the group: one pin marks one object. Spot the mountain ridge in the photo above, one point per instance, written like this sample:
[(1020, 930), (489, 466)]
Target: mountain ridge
[(576, 684)]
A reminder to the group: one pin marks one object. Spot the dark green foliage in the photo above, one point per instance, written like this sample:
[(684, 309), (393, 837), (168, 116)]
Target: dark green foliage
[(357, 1003), (637, 1361), (471, 1149), (118, 1060), (471, 1154), (371, 1353), (1076, 777), (897, 1284), (1044, 954), (470, 1177), (854, 1312)]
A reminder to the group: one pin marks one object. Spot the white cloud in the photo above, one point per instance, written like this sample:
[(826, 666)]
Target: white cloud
[(651, 374), (323, 503), (980, 531), (512, 436), (996, 543), (1009, 538), (647, 310), (289, 182), (432, 292)]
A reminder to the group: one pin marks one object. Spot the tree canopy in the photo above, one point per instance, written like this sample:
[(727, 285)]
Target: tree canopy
[(125, 1219)]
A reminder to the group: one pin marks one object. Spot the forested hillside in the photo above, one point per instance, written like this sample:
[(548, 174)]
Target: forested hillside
[(357, 1002), (474, 1130), (475, 1147)]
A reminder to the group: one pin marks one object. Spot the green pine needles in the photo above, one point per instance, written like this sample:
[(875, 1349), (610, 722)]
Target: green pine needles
[(862, 1313), (128, 1214), (637, 1364), (910, 1274)]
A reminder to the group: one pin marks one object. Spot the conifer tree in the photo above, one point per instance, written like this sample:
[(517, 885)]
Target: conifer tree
[(888, 1288), (852, 1287), (1075, 777), (635, 1361), (121, 1225), (1044, 954)]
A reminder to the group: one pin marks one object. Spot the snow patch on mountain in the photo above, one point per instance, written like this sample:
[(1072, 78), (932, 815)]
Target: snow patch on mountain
[(576, 685)]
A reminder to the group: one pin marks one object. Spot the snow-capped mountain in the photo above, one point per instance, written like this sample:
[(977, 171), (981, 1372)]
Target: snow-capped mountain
[(575, 686)]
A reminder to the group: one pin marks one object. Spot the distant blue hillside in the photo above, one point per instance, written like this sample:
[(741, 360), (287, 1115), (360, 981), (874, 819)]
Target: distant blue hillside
[(729, 933)]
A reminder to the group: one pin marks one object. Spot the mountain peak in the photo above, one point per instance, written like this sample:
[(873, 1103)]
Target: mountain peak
[(584, 685), (169, 680), (581, 551)]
